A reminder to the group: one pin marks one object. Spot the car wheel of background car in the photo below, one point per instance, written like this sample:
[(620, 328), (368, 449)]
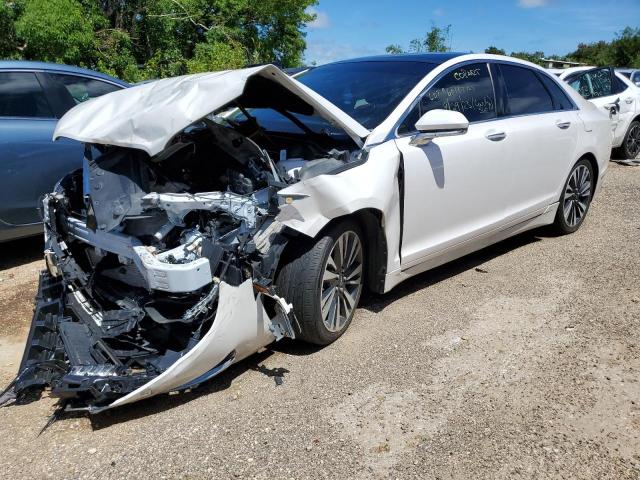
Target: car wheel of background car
[(631, 145), (575, 199), (324, 280)]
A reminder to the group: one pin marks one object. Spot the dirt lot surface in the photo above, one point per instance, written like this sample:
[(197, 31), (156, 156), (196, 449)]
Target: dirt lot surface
[(520, 361)]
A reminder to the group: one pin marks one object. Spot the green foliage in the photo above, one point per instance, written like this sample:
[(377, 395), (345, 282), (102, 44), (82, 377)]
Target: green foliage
[(623, 51), (213, 56), (394, 49), (436, 40), (140, 39), (55, 31), (495, 51), (533, 57), (8, 43)]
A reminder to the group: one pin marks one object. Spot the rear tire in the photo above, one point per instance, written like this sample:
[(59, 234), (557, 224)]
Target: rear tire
[(323, 279), (575, 199), (630, 147)]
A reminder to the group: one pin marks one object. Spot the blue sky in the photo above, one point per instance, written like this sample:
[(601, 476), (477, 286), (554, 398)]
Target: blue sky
[(351, 28)]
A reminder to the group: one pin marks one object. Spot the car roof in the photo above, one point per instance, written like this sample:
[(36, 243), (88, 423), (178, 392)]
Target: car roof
[(56, 67), (435, 58)]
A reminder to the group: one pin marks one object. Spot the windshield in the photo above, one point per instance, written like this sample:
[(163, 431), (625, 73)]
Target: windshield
[(367, 91)]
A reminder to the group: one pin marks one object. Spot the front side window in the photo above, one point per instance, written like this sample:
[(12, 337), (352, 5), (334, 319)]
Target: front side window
[(592, 84), (82, 89), (467, 89), (525, 92), (21, 95)]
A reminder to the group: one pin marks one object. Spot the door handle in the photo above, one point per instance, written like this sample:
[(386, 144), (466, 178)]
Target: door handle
[(563, 125), (495, 136), (629, 100)]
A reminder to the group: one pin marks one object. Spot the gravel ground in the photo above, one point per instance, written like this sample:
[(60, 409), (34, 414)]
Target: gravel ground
[(520, 361)]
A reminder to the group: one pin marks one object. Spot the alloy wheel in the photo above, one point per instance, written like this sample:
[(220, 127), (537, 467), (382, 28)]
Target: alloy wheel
[(341, 281), (633, 141), (577, 195)]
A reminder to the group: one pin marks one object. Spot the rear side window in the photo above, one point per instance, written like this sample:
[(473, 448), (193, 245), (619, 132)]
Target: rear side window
[(525, 92), (467, 89), (593, 84), (560, 98), (82, 89), (21, 95)]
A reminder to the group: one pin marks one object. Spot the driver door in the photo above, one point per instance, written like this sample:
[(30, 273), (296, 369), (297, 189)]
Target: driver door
[(456, 188)]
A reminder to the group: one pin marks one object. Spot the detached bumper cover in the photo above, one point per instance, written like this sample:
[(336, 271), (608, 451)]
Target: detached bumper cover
[(68, 355)]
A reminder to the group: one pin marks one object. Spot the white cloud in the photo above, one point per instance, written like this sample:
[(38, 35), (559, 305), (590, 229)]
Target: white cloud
[(322, 19), (532, 3)]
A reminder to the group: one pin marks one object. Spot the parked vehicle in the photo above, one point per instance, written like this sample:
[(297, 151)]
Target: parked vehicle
[(33, 96), (632, 74), (620, 98), (220, 212)]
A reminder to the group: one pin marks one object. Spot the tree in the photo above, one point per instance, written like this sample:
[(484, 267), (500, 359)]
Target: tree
[(138, 39), (623, 51), (533, 57), (436, 40), (495, 51), (394, 49), (8, 43), (55, 31)]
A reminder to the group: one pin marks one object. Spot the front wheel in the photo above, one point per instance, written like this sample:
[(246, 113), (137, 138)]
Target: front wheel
[(323, 279), (630, 147), (576, 198)]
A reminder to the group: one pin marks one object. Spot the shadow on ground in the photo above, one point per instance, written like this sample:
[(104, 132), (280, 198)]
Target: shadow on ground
[(19, 252), (371, 302)]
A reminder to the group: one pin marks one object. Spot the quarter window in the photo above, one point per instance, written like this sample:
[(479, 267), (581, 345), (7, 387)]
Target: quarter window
[(21, 95), (467, 89), (82, 89), (560, 98), (525, 92)]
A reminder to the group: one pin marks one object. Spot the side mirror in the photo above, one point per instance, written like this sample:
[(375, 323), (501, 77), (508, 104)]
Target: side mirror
[(439, 123), (637, 83)]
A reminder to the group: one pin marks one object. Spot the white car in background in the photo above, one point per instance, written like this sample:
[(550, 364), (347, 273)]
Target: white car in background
[(632, 74), (618, 96), (219, 212)]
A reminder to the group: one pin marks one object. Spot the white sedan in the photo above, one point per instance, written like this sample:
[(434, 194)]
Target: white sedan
[(618, 96), (219, 212)]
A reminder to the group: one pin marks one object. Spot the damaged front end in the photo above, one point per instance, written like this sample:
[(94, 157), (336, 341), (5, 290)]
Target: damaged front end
[(161, 268)]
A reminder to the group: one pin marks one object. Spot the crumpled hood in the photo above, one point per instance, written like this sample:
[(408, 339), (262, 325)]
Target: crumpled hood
[(148, 116)]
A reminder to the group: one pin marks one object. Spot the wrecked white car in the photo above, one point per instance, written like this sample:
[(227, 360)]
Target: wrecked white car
[(217, 213)]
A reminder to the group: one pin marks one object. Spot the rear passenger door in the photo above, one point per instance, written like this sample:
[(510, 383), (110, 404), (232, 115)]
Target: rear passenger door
[(540, 123)]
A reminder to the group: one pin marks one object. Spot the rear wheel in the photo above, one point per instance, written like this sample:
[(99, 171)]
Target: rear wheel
[(323, 280), (630, 147), (576, 198)]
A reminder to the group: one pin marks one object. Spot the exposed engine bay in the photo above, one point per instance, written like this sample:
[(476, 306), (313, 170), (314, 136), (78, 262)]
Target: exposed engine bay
[(141, 249)]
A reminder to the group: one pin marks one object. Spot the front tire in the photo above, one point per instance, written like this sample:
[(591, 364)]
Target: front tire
[(630, 147), (323, 279), (576, 198)]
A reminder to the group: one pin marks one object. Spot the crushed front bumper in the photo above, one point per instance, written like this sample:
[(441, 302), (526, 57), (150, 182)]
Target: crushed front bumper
[(69, 356)]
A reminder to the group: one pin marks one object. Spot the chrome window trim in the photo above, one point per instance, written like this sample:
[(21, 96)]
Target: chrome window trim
[(393, 134)]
